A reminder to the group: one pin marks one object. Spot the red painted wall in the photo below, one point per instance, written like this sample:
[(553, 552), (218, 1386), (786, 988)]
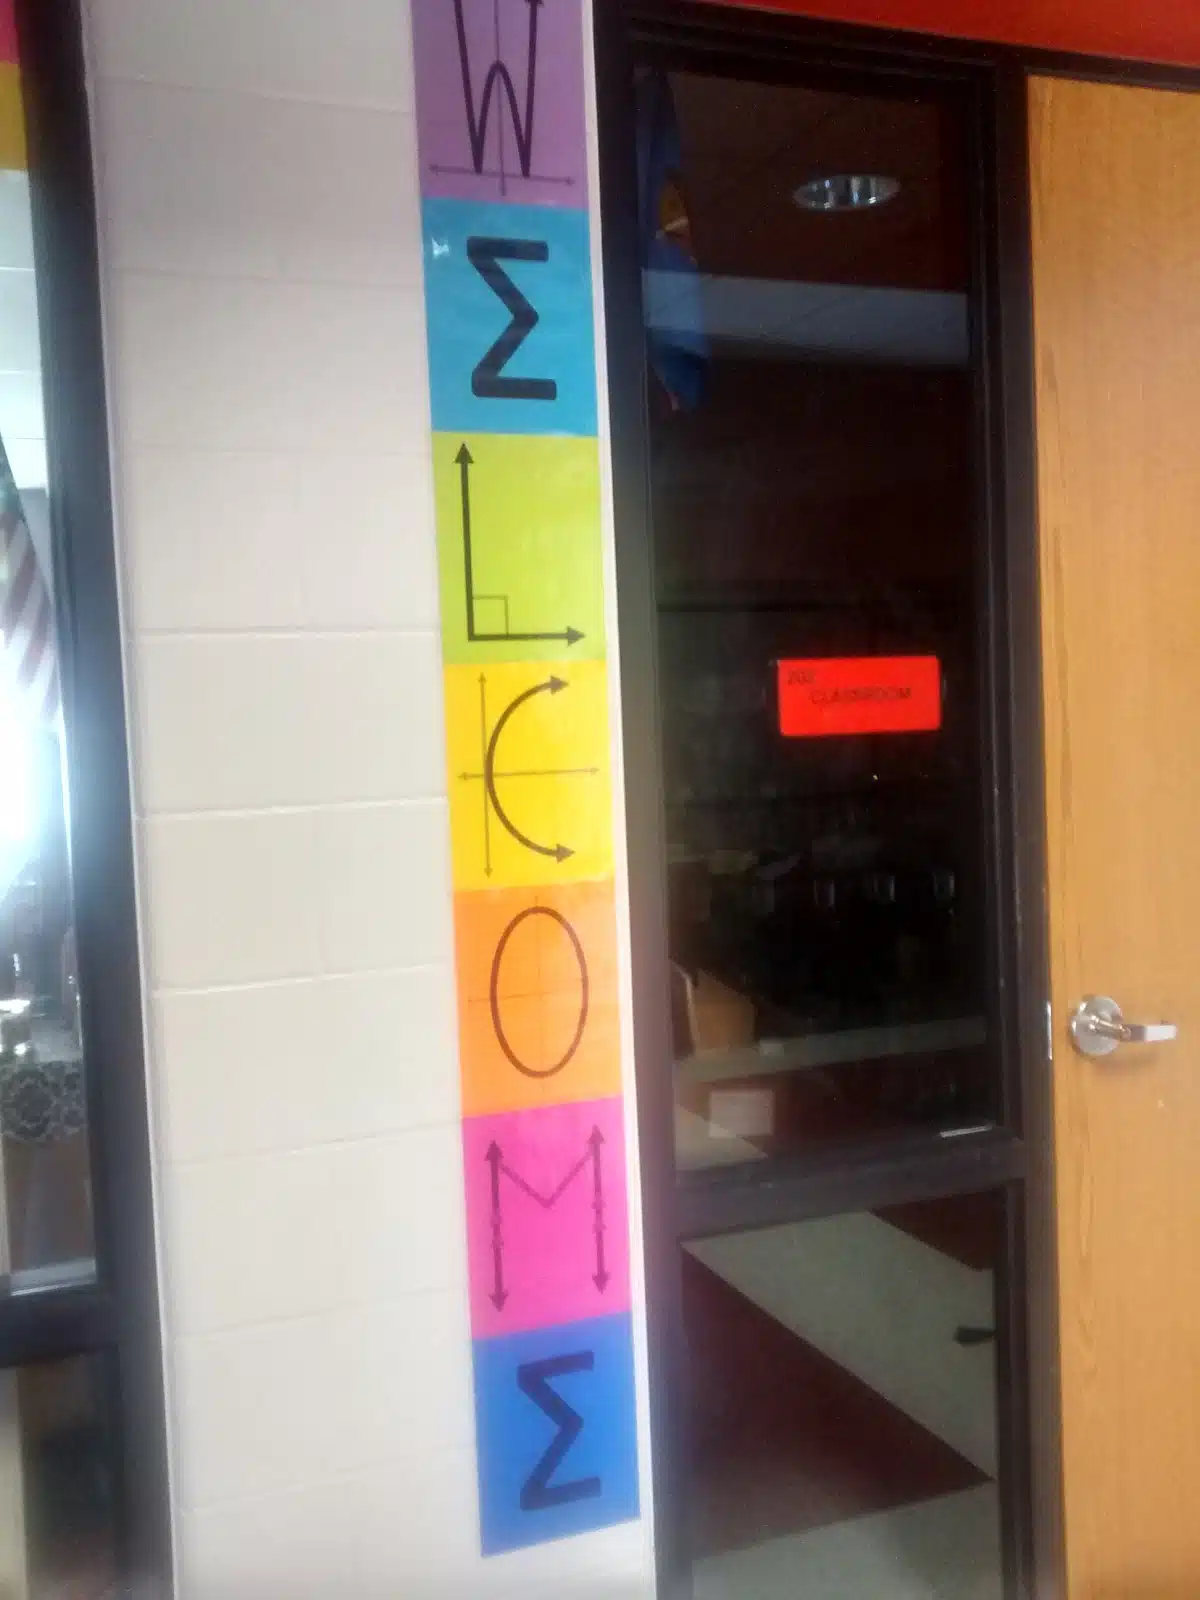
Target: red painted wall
[(1149, 30), (8, 32)]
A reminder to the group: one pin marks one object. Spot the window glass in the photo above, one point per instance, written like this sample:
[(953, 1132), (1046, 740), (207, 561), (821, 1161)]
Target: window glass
[(45, 1220), (807, 312), (842, 1406), (56, 1491)]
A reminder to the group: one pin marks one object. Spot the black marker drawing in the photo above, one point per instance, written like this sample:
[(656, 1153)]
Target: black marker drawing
[(534, 1378), (494, 992), (593, 1158), (491, 775), (557, 852), (498, 73), (465, 460), (498, 80), (488, 381)]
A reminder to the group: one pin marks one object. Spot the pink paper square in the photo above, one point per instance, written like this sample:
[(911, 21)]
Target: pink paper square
[(478, 146)]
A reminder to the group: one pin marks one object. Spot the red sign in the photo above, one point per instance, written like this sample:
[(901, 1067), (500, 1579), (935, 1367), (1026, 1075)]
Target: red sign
[(859, 694)]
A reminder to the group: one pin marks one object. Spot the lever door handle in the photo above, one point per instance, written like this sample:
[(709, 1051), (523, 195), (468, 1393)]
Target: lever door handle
[(1098, 1028)]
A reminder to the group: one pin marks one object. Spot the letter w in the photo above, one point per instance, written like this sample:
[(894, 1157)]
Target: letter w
[(533, 1379), (498, 73), (488, 381)]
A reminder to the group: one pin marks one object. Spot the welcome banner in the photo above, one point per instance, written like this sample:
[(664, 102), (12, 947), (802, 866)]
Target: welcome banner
[(512, 365)]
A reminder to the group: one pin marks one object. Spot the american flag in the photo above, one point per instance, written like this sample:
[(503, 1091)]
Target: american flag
[(30, 657)]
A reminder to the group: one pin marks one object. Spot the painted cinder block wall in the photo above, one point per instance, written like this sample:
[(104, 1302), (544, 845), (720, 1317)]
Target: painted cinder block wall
[(257, 191)]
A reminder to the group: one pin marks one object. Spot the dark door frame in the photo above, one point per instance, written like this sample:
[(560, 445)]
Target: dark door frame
[(1015, 1155), (116, 1318)]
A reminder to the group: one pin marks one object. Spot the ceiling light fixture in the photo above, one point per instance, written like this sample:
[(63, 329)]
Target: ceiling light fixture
[(846, 192)]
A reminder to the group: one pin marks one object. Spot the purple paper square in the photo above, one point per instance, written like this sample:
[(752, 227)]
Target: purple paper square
[(518, 133)]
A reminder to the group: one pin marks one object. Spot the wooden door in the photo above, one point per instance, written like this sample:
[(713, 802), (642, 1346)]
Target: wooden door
[(1116, 236)]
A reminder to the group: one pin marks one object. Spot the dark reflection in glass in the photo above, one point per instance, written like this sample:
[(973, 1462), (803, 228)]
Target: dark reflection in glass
[(841, 1390), (819, 615), (57, 1495)]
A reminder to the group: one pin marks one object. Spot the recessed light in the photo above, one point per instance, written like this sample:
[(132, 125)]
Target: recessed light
[(846, 191)]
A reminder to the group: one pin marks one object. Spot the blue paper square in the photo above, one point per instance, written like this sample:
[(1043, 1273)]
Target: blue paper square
[(508, 301), (555, 1414)]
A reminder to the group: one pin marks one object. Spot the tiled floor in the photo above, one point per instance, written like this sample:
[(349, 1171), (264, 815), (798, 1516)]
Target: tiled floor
[(883, 1305), (843, 1437), (943, 1549)]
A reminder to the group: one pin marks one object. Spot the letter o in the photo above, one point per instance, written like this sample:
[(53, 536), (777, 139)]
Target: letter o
[(494, 992)]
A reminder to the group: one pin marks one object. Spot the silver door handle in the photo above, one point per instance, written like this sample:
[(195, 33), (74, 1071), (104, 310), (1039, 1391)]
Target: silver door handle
[(1098, 1028)]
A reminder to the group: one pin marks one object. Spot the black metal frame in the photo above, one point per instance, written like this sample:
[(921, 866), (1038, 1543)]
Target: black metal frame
[(117, 1318), (1015, 1157)]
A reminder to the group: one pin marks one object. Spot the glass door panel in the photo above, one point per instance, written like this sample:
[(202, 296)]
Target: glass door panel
[(845, 1352), (841, 1406), (807, 307)]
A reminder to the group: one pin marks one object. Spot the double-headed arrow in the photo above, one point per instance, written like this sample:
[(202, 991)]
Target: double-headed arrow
[(499, 1294), (570, 636), (595, 1144)]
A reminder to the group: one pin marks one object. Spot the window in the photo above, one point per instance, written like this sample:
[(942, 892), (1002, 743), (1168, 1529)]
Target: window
[(813, 482), (82, 1479)]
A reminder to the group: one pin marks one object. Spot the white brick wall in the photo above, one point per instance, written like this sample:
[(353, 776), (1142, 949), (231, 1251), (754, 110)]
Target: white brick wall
[(264, 323)]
